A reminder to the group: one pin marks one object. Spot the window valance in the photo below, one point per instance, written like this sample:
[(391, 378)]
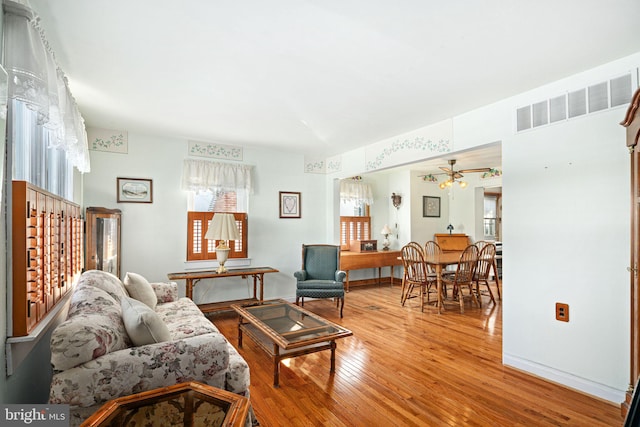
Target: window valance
[(36, 81), (354, 190), (200, 175)]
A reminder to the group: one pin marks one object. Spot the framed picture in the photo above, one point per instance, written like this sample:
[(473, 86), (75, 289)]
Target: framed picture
[(431, 207), (289, 204), (135, 190)]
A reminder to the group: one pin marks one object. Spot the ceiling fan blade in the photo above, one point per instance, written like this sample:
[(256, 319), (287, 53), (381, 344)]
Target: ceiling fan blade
[(475, 170), (457, 175), (447, 170)]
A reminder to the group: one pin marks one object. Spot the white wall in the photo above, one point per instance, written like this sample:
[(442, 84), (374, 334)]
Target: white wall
[(565, 232), (154, 235), (423, 228), (566, 239)]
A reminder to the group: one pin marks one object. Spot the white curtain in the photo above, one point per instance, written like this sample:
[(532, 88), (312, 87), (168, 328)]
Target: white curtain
[(352, 190), (201, 175), (36, 81)]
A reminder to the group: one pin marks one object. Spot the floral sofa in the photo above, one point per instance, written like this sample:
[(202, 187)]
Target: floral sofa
[(122, 338)]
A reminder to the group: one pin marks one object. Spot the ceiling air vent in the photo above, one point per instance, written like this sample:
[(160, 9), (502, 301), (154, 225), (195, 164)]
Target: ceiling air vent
[(540, 114), (577, 103), (558, 109), (523, 118), (598, 97), (620, 90)]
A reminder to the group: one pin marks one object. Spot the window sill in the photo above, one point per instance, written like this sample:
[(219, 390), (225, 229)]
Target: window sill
[(18, 348)]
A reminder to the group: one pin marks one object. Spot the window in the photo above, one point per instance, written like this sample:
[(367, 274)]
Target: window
[(35, 160), (355, 223), (490, 217), (199, 248), (354, 228), (215, 187)]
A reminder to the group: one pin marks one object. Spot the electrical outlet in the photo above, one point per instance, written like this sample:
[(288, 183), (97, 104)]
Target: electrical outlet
[(562, 312)]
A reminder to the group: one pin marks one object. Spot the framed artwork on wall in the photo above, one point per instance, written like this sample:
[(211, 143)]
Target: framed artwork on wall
[(290, 204), (135, 190), (431, 207)]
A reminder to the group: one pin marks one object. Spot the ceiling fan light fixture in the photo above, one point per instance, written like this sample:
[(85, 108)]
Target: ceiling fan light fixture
[(463, 184)]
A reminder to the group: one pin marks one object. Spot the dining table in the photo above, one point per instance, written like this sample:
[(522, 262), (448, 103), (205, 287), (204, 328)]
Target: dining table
[(440, 262)]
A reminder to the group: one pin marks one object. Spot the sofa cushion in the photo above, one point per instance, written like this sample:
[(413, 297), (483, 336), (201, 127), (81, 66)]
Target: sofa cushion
[(105, 281), (140, 289), (184, 319), (143, 325), (93, 328)]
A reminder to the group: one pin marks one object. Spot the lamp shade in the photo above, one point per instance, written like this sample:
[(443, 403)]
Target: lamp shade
[(222, 227), (385, 230)]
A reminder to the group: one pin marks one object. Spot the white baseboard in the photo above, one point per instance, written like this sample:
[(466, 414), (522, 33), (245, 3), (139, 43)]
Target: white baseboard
[(568, 380)]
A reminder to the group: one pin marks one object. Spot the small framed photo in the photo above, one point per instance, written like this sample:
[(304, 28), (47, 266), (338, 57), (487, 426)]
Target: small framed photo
[(431, 207), (289, 204), (135, 190)]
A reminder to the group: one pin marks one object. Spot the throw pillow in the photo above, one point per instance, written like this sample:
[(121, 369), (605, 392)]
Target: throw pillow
[(143, 325), (140, 289)]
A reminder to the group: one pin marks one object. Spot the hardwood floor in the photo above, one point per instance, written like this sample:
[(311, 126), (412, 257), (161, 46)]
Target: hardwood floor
[(402, 367)]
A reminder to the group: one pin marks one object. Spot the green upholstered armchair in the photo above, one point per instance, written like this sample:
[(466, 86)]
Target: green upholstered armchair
[(320, 276)]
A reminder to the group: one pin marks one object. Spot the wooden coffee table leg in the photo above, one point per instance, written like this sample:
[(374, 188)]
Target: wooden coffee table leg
[(333, 357), (276, 365), (239, 331)]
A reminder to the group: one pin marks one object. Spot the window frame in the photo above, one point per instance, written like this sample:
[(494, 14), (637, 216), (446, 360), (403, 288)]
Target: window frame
[(354, 228), (197, 226)]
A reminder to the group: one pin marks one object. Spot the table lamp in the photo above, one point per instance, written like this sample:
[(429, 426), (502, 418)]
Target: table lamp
[(223, 228), (385, 232)]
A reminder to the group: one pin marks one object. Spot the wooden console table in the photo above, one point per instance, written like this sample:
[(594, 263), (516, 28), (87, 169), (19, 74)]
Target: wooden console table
[(359, 260), (192, 277)]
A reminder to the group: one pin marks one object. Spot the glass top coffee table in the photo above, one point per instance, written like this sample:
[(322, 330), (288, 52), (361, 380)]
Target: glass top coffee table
[(190, 404), (285, 330)]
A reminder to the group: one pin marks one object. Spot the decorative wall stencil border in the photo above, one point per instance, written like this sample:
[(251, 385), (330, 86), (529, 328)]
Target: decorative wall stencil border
[(334, 164), (112, 141), (417, 144), (317, 166), (216, 151)]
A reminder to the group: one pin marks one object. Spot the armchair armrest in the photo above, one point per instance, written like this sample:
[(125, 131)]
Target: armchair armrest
[(165, 291), (301, 275), (340, 275)]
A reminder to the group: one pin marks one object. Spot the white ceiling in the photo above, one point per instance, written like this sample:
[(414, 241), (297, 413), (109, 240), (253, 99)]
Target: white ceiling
[(319, 77)]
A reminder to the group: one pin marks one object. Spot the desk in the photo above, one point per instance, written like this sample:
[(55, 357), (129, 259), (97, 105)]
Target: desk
[(358, 260), (192, 277), (440, 261)]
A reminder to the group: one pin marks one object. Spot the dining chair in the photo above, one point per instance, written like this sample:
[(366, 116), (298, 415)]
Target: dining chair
[(432, 250), (486, 258), (463, 277), (480, 244), (417, 282)]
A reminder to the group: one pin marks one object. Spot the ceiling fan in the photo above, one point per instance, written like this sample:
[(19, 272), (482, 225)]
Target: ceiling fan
[(454, 175)]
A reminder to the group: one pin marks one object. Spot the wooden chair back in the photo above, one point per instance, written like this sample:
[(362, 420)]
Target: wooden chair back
[(431, 251), (485, 261), (413, 262), (467, 265)]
